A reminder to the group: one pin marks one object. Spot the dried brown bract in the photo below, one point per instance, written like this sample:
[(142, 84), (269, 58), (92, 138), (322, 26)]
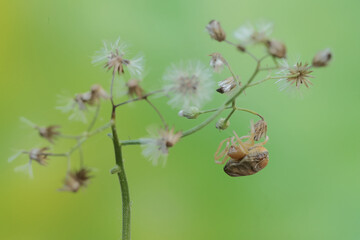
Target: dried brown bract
[(134, 88), (276, 48), (96, 94), (215, 30), (260, 129), (76, 179), (217, 62), (39, 155), (169, 137), (116, 61), (49, 133), (322, 58), (91, 97)]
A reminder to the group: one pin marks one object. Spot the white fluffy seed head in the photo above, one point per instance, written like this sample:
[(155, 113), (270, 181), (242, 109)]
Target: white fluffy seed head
[(251, 34), (108, 49), (156, 146), (188, 84)]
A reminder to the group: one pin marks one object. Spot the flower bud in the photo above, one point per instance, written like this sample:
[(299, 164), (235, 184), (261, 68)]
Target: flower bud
[(276, 48), (322, 58), (260, 129), (215, 30), (241, 48), (217, 62), (190, 113), (222, 125), (227, 85)]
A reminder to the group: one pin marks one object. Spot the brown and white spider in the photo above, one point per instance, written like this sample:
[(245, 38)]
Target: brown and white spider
[(246, 158)]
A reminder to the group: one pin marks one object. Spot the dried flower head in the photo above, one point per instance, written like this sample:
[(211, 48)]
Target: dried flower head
[(190, 113), (76, 179), (96, 94), (217, 62), (260, 129), (227, 85), (157, 146), (295, 75), (39, 155), (276, 48), (188, 85), (222, 124), (113, 54), (78, 104), (91, 97), (49, 132), (215, 30), (249, 34), (134, 88), (322, 58)]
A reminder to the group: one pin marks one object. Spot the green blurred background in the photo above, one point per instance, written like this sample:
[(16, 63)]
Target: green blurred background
[(309, 190)]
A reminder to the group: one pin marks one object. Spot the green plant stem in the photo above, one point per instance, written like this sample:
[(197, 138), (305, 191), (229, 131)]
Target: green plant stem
[(211, 110), (124, 187), (231, 113), (132, 142)]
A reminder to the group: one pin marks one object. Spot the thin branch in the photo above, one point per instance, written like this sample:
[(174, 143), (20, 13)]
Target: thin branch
[(211, 110), (139, 98), (249, 111), (245, 50), (231, 113), (112, 87), (81, 155), (158, 112), (96, 115), (125, 196), (268, 68)]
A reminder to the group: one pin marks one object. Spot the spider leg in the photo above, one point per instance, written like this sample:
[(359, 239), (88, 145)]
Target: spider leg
[(223, 152), (223, 161), (264, 142), (242, 145)]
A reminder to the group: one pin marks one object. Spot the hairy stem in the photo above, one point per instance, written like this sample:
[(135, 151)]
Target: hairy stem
[(124, 188)]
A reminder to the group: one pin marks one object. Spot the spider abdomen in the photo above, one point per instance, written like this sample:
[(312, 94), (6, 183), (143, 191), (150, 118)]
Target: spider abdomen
[(254, 161)]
